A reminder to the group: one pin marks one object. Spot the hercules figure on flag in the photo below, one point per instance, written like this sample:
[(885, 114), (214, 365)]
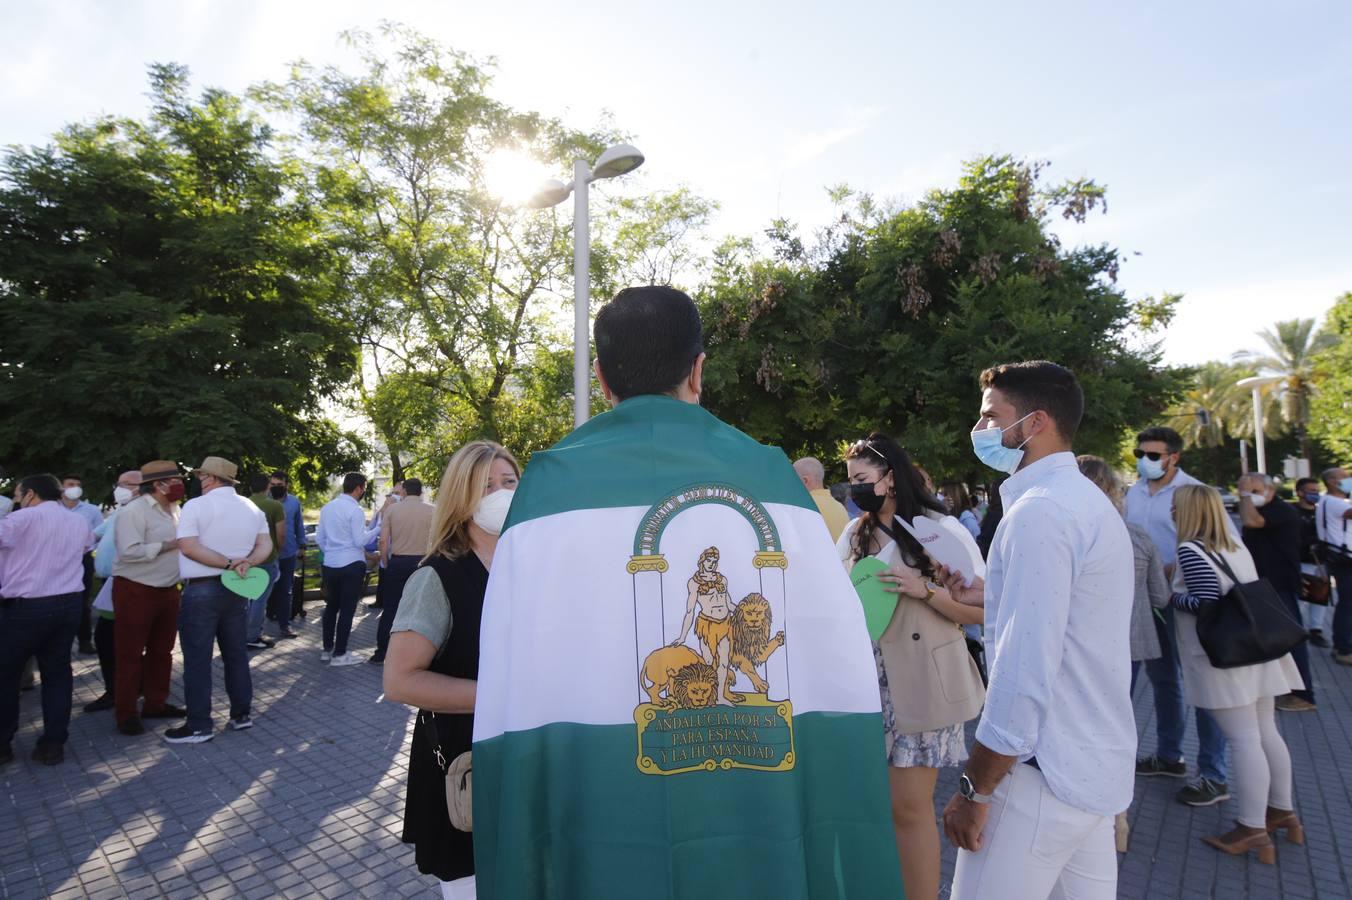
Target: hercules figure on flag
[(711, 608)]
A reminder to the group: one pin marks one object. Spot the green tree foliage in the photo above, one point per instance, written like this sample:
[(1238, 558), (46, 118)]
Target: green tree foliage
[(889, 318), (167, 292), (1331, 405)]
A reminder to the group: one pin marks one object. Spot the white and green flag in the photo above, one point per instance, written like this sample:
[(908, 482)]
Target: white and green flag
[(677, 695)]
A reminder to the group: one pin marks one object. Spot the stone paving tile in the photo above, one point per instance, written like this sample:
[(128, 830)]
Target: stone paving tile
[(309, 802)]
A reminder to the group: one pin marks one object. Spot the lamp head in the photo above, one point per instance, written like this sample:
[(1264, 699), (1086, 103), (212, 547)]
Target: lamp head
[(617, 159), (549, 193)]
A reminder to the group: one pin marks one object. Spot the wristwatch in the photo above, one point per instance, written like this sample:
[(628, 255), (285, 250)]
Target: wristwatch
[(931, 589), (967, 790)]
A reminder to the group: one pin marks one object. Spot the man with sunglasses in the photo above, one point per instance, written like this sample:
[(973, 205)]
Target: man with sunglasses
[(1150, 505)]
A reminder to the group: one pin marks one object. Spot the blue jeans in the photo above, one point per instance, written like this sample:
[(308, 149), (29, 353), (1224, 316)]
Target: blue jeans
[(280, 597), (210, 613), (41, 627), (1166, 678), (258, 607), (1342, 613), (342, 592)]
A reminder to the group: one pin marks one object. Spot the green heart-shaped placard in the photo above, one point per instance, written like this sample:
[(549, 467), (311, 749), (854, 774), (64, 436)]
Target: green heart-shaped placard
[(251, 586), (878, 603)]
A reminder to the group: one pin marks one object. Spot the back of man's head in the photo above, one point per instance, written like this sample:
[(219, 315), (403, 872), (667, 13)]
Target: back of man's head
[(647, 341), (811, 471), (45, 486), (352, 481), (413, 487), (258, 483)]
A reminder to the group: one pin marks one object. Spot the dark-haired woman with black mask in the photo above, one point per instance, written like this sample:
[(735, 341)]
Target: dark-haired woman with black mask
[(923, 651)]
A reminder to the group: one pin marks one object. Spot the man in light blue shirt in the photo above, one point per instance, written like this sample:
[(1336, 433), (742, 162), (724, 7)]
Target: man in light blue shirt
[(293, 544), (342, 537), (1150, 504)]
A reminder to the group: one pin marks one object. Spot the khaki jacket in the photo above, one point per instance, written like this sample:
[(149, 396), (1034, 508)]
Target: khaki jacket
[(933, 679)]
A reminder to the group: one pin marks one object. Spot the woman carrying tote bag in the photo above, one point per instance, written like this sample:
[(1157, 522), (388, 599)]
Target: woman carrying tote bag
[(1240, 698)]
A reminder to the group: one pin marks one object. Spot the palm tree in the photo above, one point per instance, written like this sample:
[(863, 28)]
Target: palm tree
[(1228, 413), (1291, 347)]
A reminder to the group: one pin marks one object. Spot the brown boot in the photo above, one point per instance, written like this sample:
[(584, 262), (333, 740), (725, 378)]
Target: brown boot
[(1241, 839), (1285, 820)]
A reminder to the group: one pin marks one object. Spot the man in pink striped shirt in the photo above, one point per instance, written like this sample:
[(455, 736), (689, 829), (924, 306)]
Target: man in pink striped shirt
[(42, 547)]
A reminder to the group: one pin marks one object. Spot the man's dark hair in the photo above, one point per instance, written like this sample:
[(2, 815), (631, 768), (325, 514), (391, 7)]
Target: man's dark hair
[(352, 481), (1038, 384), (45, 486), (280, 476), (72, 478), (1301, 482), (1162, 434), (258, 483), (647, 340), (413, 487)]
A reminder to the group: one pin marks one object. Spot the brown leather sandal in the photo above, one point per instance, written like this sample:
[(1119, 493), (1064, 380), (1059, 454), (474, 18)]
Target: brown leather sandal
[(1286, 820), (1241, 840)]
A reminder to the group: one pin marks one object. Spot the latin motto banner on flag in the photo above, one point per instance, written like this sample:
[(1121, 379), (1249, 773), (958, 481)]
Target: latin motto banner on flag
[(677, 696)]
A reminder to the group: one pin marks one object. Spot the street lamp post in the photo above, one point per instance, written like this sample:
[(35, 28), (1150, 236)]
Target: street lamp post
[(1257, 383), (617, 159)]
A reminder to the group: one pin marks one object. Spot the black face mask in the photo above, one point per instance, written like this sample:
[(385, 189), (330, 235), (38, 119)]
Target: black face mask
[(278, 492), (864, 497)]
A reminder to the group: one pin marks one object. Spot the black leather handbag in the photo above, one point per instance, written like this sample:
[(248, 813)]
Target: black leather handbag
[(1248, 625)]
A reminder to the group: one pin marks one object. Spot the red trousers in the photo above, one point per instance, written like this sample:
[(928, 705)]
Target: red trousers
[(145, 624)]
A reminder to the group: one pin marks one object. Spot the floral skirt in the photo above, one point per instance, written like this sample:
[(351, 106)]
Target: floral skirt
[(930, 749)]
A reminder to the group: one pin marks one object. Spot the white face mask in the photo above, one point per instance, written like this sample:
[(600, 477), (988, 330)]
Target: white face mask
[(122, 496), (6, 504), (73, 493), (1256, 499), (492, 512)]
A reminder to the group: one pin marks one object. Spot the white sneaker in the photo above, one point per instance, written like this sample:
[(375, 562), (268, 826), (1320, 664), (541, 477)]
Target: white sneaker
[(347, 659), (325, 656)]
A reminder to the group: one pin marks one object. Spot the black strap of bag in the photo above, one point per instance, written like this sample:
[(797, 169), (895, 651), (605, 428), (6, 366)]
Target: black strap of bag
[(1249, 624)]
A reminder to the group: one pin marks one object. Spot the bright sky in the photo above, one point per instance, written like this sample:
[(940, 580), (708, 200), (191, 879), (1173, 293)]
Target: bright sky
[(1223, 130)]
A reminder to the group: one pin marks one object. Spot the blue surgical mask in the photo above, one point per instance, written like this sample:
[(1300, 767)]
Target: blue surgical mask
[(1312, 498), (989, 446), (1345, 485), (1150, 469)]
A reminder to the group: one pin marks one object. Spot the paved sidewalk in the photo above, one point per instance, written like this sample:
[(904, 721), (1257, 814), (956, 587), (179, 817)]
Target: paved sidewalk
[(309, 802)]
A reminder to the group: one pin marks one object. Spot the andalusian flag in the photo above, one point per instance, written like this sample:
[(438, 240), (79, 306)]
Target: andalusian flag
[(677, 695)]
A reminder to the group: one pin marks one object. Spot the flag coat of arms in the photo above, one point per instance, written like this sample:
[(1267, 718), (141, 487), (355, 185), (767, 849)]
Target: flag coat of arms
[(677, 696)]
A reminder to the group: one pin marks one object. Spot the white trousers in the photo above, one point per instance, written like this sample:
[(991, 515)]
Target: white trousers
[(1036, 847), (1262, 763), (460, 889)]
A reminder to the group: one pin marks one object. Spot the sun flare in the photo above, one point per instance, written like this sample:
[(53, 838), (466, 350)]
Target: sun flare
[(512, 175)]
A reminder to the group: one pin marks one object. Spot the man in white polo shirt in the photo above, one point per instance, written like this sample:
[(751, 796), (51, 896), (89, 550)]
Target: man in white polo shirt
[(1052, 761), (217, 531)]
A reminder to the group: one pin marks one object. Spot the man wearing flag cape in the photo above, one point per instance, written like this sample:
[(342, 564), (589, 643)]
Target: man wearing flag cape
[(677, 696)]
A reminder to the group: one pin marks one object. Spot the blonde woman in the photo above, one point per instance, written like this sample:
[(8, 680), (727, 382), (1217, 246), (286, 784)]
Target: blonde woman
[(1241, 699), (433, 659)]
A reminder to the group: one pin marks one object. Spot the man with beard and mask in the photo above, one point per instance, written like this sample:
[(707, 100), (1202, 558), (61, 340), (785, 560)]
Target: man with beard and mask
[(126, 490), (146, 597), (1150, 503), (72, 492), (342, 536), (1050, 766), (282, 603), (779, 793)]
